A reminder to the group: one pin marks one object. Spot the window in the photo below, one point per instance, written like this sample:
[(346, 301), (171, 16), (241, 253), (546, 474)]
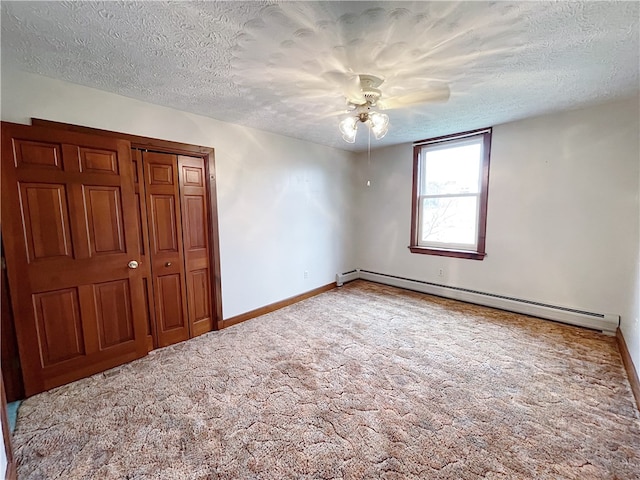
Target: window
[(449, 209)]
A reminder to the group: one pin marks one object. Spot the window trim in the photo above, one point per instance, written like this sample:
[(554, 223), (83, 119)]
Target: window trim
[(480, 251)]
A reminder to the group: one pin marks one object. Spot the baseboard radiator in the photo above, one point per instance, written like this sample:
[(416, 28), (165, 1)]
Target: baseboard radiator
[(604, 322)]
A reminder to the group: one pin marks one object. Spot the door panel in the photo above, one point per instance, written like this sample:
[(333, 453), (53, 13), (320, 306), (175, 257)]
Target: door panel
[(45, 221), (70, 229), (104, 220), (199, 289), (163, 218), (38, 154), (167, 258), (114, 315), (195, 222), (195, 232), (98, 161), (159, 174), (59, 325), (193, 176), (170, 294)]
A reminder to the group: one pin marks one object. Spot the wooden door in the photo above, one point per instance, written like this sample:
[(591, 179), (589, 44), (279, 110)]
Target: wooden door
[(143, 241), (167, 257), (195, 232), (70, 233)]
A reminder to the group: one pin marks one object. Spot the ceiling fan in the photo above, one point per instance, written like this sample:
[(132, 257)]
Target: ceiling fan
[(362, 95)]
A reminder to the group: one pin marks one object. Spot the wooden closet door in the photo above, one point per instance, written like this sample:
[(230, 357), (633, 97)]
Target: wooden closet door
[(195, 232), (70, 233), (167, 258), (143, 242)]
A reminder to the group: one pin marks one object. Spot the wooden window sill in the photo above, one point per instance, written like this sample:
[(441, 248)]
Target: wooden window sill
[(448, 253)]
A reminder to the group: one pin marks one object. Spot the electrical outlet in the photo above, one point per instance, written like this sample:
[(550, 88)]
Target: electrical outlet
[(306, 274), (441, 272)]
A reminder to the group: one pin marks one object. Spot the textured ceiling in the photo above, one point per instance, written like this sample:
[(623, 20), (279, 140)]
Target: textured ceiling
[(279, 66)]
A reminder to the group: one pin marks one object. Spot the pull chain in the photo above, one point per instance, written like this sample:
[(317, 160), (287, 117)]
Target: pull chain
[(369, 157)]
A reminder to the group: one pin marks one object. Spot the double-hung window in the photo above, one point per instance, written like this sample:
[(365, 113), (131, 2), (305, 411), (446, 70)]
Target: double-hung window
[(450, 182)]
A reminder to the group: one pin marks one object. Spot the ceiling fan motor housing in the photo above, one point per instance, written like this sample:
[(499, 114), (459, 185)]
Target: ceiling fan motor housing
[(369, 84)]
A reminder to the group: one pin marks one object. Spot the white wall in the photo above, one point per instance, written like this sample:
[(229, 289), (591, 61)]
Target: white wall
[(563, 215), (284, 205)]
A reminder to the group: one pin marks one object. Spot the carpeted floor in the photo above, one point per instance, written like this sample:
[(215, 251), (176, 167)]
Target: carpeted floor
[(362, 382)]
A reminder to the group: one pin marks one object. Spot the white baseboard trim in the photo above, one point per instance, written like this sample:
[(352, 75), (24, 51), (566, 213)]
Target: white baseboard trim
[(605, 322)]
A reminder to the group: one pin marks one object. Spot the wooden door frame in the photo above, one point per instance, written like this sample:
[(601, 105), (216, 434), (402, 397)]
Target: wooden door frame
[(176, 148), (10, 358)]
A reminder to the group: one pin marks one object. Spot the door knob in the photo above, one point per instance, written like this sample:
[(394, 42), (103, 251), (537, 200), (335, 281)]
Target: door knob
[(132, 264), (168, 264)]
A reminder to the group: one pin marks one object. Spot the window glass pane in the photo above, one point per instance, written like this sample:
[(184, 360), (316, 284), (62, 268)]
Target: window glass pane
[(455, 169), (449, 220)]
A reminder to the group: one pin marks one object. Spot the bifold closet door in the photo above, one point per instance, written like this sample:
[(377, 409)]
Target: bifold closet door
[(195, 232), (143, 241), (167, 254), (70, 235)]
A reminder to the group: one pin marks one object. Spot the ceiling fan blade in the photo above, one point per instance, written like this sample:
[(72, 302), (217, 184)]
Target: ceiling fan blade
[(349, 83), (433, 94)]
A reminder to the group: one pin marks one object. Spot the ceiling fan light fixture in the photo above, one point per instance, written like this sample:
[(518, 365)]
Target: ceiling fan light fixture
[(379, 124), (349, 128), (362, 95)]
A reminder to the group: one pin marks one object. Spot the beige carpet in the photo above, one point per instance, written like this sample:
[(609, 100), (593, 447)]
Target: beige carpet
[(362, 382)]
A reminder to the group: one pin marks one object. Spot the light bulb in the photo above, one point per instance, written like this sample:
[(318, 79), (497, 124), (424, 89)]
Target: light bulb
[(379, 124), (349, 128)]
